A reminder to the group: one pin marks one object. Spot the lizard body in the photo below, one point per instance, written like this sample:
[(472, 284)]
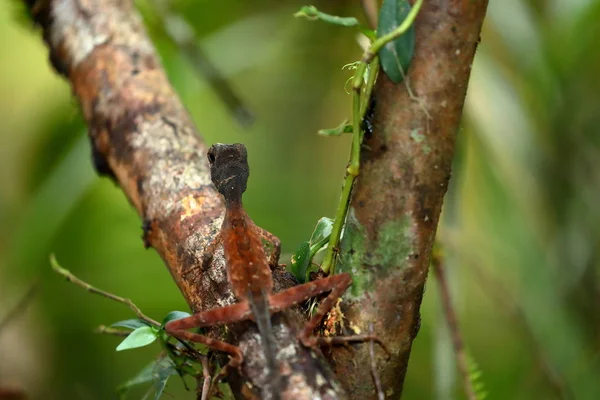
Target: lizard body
[(249, 274)]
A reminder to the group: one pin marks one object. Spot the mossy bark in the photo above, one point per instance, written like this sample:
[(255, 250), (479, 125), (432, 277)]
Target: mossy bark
[(397, 198)]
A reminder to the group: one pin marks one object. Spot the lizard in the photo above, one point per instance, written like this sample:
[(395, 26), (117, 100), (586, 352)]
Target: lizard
[(249, 273)]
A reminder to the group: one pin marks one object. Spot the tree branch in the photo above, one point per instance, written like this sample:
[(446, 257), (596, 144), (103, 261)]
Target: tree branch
[(452, 320), (144, 139), (397, 199)]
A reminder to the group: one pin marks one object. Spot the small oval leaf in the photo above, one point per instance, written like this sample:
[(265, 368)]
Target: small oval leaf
[(173, 315), (130, 323), (300, 261), (344, 127), (395, 56), (140, 337), (322, 230)]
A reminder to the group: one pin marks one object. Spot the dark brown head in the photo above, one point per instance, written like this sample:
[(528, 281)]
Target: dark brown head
[(229, 170)]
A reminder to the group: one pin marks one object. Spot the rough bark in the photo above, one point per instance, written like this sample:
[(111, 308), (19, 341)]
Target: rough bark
[(396, 204), (143, 137)]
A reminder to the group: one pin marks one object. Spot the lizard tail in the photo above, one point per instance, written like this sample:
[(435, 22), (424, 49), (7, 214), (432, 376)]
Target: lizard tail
[(262, 316)]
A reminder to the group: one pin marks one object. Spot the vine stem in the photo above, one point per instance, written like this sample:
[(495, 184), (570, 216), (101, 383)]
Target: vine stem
[(358, 111), (360, 102), (393, 35), (92, 289)]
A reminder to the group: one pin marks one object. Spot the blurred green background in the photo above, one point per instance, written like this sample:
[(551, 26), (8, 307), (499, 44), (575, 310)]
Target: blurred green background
[(521, 223)]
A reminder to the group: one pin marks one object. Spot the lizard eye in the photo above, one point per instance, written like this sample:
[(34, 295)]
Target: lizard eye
[(211, 156)]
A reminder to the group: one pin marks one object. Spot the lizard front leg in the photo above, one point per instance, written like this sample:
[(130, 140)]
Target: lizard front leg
[(217, 316), (275, 242)]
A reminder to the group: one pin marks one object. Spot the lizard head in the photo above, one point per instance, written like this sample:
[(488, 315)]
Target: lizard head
[(229, 169)]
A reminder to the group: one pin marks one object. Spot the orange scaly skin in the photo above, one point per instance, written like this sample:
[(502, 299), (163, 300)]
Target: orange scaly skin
[(247, 265)]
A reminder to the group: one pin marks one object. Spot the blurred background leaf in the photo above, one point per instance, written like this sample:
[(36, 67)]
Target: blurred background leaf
[(521, 224)]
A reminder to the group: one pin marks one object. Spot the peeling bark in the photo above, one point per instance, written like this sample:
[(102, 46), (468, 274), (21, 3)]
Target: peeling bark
[(144, 139), (397, 199)]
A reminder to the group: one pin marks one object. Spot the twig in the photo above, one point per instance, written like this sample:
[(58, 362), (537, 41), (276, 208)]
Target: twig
[(374, 374), (111, 331), (495, 289), (207, 379), (20, 306), (180, 32), (450, 314), (370, 8), (72, 278)]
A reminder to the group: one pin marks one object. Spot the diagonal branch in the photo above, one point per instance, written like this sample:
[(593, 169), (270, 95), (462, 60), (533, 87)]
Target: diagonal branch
[(143, 137), (452, 320)]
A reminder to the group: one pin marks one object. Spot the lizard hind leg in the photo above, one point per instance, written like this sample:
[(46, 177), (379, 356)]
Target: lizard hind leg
[(217, 316), (336, 285)]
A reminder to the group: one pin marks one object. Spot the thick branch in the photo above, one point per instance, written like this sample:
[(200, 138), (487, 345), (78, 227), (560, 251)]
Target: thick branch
[(143, 137), (406, 165)]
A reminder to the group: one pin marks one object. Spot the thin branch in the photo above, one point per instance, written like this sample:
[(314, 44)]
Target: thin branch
[(452, 320), (207, 379), (374, 374), (499, 293), (72, 278), (20, 307), (182, 33), (112, 331), (371, 8)]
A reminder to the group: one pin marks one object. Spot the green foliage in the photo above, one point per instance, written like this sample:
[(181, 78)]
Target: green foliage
[(158, 372), (174, 315), (475, 376), (344, 127), (521, 209), (302, 258), (395, 57), (300, 261), (140, 337), (162, 375), (130, 324), (311, 13)]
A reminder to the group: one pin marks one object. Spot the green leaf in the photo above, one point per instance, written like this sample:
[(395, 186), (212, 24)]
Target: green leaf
[(300, 264), (322, 231), (144, 376), (173, 315), (162, 375), (312, 13), (300, 261), (130, 323), (369, 33), (395, 56), (344, 127), (154, 371), (142, 336)]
